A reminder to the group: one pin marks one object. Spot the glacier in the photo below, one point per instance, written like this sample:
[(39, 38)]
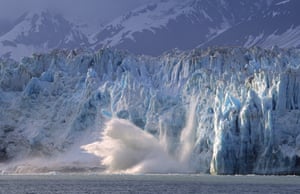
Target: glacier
[(214, 110)]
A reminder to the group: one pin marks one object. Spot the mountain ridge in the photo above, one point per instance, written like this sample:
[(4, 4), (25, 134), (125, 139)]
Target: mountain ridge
[(160, 26)]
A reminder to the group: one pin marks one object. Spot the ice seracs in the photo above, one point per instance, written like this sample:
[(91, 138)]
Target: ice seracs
[(219, 111)]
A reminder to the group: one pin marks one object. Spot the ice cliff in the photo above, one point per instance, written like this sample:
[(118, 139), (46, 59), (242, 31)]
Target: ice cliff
[(218, 110)]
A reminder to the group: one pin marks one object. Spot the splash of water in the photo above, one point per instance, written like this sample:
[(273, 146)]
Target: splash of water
[(125, 148)]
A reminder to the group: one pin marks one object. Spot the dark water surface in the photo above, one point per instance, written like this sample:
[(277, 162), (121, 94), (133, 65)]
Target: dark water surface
[(36, 184)]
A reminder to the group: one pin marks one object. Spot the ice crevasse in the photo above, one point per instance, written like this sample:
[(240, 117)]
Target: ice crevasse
[(216, 110)]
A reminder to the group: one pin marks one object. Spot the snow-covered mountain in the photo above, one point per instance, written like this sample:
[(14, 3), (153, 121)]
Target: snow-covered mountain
[(40, 31), (160, 26), (277, 24), (223, 111), (169, 24)]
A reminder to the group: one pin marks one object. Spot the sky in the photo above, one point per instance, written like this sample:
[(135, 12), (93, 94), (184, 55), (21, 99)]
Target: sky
[(85, 10)]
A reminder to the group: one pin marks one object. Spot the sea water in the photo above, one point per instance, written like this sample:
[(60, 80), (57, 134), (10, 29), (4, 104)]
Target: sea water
[(103, 183)]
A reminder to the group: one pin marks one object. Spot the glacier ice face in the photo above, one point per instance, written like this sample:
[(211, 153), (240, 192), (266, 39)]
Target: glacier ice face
[(219, 111)]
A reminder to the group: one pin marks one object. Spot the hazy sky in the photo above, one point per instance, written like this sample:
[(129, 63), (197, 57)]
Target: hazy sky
[(102, 10)]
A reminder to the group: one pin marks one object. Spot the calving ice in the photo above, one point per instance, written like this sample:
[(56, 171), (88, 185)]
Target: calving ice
[(219, 111), (125, 148)]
